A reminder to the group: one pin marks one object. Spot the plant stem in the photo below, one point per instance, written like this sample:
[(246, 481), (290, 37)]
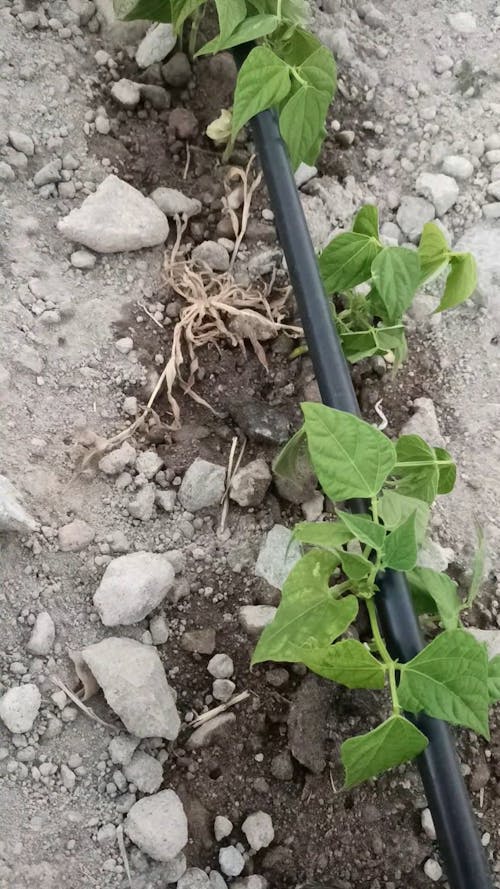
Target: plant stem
[(384, 654), (374, 506), (278, 10)]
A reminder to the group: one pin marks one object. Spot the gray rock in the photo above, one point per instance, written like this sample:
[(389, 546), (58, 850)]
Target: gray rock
[(412, 215), (172, 202), (259, 831), (231, 861), (457, 167), (42, 635), (222, 827), (144, 771), (492, 211), (260, 422), (19, 708), (132, 586), (253, 618), (173, 870), (133, 680), (148, 463), (263, 262), (428, 824), (282, 766), (433, 555), (493, 189), (177, 71), (223, 689), (194, 878), (13, 515), (483, 240), (166, 500), (443, 63), (217, 881), (424, 422), (83, 259), (440, 189), (211, 254), (121, 749), (221, 666), (254, 881), (158, 825), (75, 536), (183, 124), (21, 142), (307, 723), (142, 505), (126, 93), (156, 45), (116, 461), (199, 641), (249, 485), (202, 486), (115, 219), (211, 732), (277, 556), (493, 156), (492, 143), (157, 96), (51, 172), (6, 172), (304, 173), (462, 22), (158, 627), (432, 868)]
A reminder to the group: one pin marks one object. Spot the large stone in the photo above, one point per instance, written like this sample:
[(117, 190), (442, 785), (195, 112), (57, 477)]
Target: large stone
[(259, 831), (158, 825), (173, 202), (483, 241), (116, 218), (132, 586), (249, 485), (202, 486), (441, 190), (261, 422), (133, 680), (277, 556), (156, 45), (13, 515), (19, 708)]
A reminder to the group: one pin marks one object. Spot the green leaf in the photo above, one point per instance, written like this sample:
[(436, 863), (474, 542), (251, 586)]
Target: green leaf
[(297, 48), (354, 566), (326, 535), (478, 566), (394, 508), (347, 261), (494, 679), (293, 470), (251, 29), (461, 281), (400, 548), (320, 72), (436, 593), (309, 615), (449, 680), (416, 468), (263, 81), (363, 528), (359, 344), (396, 275), (389, 745), (302, 124), (230, 13), (149, 10), (351, 458), (366, 221), (347, 662), (433, 251), (182, 9), (447, 471)]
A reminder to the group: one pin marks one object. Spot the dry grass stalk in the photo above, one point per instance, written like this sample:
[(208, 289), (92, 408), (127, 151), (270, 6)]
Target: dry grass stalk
[(250, 186), (83, 707), (211, 714)]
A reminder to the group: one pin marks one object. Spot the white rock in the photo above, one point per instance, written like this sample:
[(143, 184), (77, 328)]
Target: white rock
[(433, 870), (493, 156), (222, 827), (223, 689), (130, 406), (173, 870), (428, 824), (440, 189), (304, 173), (43, 635), (133, 680), (132, 586), (492, 211), (202, 486), (221, 666), (412, 215), (231, 861), (121, 749), (156, 45), (124, 345), (212, 254), (443, 63), (148, 463), (83, 259), (210, 732), (462, 22), (483, 241), (492, 142), (253, 618), (173, 202), (166, 500), (75, 536), (493, 189), (116, 461), (142, 505), (144, 771), (194, 878), (13, 516), (278, 554), (433, 555), (424, 422), (158, 627), (19, 708), (158, 825), (115, 219), (259, 831), (126, 93), (21, 142), (458, 167), (216, 880), (249, 485), (255, 881)]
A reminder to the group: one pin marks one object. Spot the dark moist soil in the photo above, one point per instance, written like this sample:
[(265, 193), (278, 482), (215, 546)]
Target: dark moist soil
[(370, 837)]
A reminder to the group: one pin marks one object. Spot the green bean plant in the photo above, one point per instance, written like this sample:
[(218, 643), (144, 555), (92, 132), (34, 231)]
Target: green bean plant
[(451, 678), (289, 69)]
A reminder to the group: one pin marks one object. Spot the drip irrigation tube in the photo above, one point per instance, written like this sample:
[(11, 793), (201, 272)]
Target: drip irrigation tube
[(463, 855)]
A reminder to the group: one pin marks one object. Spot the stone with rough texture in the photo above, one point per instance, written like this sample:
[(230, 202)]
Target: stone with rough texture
[(132, 586), (304, 173), (202, 486), (133, 680), (173, 870), (75, 536), (222, 827), (210, 732), (13, 515), (199, 641), (216, 880), (177, 71), (173, 202), (457, 166), (441, 190), (142, 505), (83, 259), (277, 556), (115, 219), (144, 771), (223, 689), (116, 461), (212, 254), (158, 825), (253, 618), (259, 831), (42, 635), (490, 637), (249, 485), (21, 142), (126, 93), (261, 422), (231, 861), (122, 748), (412, 215), (307, 723), (462, 22), (156, 45), (221, 666), (254, 881), (483, 241), (424, 422), (194, 878), (148, 463), (19, 708)]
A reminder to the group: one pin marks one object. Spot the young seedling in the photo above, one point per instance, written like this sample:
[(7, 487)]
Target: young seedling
[(451, 678)]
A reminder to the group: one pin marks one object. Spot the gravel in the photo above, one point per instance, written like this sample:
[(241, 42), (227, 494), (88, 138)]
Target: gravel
[(158, 825), (259, 831), (132, 586), (43, 635), (19, 708)]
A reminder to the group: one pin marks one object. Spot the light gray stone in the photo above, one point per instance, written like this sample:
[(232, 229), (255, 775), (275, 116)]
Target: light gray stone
[(462, 22), (221, 666), (493, 189), (116, 218), (231, 861), (458, 167), (259, 831), (202, 486), (141, 506), (210, 732), (249, 485), (216, 880), (148, 463), (43, 635), (304, 173), (440, 189), (19, 708), (83, 259), (159, 41), (412, 215), (428, 824), (483, 241), (75, 536), (491, 638), (132, 586), (254, 881), (144, 771), (13, 515), (51, 172), (222, 827), (133, 680), (122, 747), (212, 254), (21, 142), (194, 878), (158, 627), (277, 556), (173, 870), (223, 689), (116, 461), (126, 93), (166, 500), (158, 825), (173, 202), (433, 555), (424, 422), (253, 618), (6, 172)]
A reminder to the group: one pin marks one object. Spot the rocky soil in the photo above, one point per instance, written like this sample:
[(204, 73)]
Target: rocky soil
[(132, 574)]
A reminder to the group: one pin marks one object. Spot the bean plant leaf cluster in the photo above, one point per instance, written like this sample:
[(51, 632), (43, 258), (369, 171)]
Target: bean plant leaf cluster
[(289, 70), (451, 678)]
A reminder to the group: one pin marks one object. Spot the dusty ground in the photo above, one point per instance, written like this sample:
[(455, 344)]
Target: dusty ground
[(61, 376)]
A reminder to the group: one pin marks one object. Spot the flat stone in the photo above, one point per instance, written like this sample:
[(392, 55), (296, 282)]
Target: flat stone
[(83, 259), (491, 638), (307, 723), (277, 556), (21, 142), (133, 680), (158, 825), (19, 708), (115, 219), (210, 732), (42, 635), (156, 45), (202, 486), (75, 536), (462, 22), (51, 172), (424, 422), (172, 202), (199, 641), (260, 422), (457, 167), (132, 586)]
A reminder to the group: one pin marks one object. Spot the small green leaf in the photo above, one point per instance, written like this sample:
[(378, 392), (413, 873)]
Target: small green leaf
[(394, 508), (433, 251), (461, 281), (400, 548), (351, 458), (389, 745), (366, 221), (363, 528), (302, 124), (396, 275), (347, 261), (320, 72), (149, 10), (347, 662), (416, 468), (326, 535), (436, 593), (293, 470), (309, 615), (297, 48), (359, 344), (494, 679), (449, 680), (354, 566), (230, 13), (263, 81), (447, 471), (251, 29)]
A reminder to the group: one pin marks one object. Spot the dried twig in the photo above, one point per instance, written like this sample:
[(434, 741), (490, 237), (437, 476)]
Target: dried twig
[(231, 472), (148, 313), (83, 707), (211, 714), (249, 187), (123, 853), (188, 161), (378, 410)]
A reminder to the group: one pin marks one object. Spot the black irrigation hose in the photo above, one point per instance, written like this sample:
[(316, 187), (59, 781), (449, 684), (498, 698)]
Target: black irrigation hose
[(463, 855)]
